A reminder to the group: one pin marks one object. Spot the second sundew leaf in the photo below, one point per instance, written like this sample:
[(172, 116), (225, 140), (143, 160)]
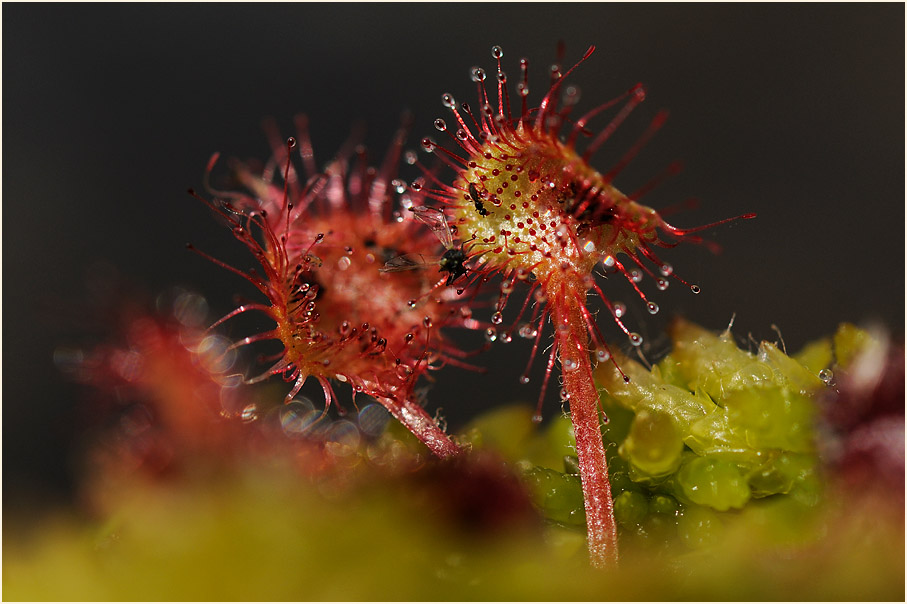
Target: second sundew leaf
[(320, 249)]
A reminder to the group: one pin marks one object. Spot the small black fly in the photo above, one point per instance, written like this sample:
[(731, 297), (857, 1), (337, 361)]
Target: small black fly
[(474, 194), (452, 263)]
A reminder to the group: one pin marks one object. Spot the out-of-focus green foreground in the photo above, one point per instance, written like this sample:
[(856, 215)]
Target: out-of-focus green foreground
[(720, 494)]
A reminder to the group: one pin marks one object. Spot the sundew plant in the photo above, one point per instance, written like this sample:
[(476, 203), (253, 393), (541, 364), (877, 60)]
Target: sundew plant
[(525, 204)]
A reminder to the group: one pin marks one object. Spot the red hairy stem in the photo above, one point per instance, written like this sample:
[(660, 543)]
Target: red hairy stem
[(424, 428), (576, 368)]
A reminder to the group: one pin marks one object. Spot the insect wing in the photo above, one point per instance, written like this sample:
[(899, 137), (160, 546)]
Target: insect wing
[(407, 262), (436, 221)]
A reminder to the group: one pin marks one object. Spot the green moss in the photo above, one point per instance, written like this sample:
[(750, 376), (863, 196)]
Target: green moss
[(653, 446), (746, 419), (716, 483), (717, 493)]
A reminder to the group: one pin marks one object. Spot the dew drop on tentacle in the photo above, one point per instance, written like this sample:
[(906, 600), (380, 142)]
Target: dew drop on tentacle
[(635, 339), (497, 318), (440, 125), (695, 289), (448, 100), (344, 328), (620, 309), (497, 52), (524, 379), (491, 334), (570, 365), (652, 308), (602, 354), (527, 331)]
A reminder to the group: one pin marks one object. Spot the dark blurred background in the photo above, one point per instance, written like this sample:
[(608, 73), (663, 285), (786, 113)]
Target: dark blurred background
[(111, 112)]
